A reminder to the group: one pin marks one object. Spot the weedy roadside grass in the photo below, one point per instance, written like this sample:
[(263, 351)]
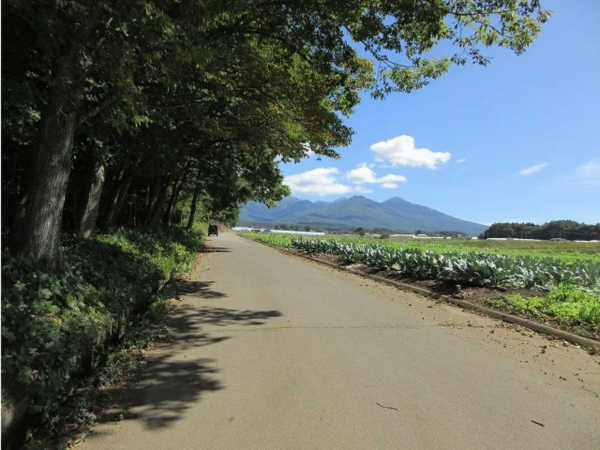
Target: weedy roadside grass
[(51, 321), (567, 304)]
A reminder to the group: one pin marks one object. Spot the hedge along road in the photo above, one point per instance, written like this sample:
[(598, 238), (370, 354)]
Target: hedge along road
[(272, 352)]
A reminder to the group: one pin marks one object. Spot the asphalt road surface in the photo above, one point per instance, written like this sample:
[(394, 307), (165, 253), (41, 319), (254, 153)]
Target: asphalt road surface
[(270, 351)]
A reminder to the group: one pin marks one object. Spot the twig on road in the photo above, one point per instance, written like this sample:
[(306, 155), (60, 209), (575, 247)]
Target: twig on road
[(391, 407), (537, 423)]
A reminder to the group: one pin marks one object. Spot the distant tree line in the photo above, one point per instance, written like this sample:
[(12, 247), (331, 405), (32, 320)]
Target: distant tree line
[(565, 229)]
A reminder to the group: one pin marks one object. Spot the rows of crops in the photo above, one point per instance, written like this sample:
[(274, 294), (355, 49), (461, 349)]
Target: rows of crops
[(566, 251), (473, 267)]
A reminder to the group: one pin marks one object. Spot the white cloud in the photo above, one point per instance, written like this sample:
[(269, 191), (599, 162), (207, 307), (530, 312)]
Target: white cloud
[(584, 178), (533, 169), (591, 169), (460, 161), (326, 181), (363, 174), (321, 181), (401, 151)]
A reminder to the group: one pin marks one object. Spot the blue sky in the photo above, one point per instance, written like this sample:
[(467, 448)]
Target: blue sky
[(518, 140)]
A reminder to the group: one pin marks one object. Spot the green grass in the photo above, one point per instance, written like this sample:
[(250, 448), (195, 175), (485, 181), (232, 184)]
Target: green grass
[(50, 320), (566, 251), (567, 304)]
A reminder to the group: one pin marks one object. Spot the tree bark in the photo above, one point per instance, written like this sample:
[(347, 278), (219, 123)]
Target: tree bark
[(120, 202), (172, 200), (17, 223), (40, 234), (159, 205), (153, 196), (117, 193), (109, 207), (87, 214), (192, 218), (115, 203), (177, 186)]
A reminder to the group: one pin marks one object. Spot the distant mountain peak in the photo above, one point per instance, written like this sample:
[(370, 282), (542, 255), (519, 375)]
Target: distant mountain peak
[(358, 211)]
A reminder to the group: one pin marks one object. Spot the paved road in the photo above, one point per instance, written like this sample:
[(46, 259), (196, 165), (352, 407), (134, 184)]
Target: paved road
[(273, 352)]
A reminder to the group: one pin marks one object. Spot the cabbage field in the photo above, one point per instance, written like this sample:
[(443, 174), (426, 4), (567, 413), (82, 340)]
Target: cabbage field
[(447, 261), (565, 251)]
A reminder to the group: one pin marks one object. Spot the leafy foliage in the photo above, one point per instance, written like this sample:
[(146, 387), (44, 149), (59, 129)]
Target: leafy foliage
[(51, 322), (566, 303), (476, 268), (479, 269)]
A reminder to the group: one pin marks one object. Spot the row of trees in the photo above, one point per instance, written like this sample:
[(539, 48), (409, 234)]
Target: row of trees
[(564, 229), (116, 113)]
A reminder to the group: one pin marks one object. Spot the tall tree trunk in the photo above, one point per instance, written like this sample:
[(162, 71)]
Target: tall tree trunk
[(117, 193), (17, 223), (159, 204), (120, 202), (40, 234), (173, 200), (153, 196), (87, 214), (109, 207), (192, 218), (177, 186)]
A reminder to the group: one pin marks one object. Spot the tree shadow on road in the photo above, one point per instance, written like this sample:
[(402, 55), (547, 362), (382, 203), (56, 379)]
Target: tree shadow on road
[(186, 324), (172, 381), (168, 387), (199, 289)]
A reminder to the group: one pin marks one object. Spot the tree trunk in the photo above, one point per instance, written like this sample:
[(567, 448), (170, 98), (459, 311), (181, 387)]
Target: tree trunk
[(120, 185), (192, 218), (17, 223), (40, 234), (87, 215), (173, 201), (120, 202), (153, 196), (109, 207), (159, 205)]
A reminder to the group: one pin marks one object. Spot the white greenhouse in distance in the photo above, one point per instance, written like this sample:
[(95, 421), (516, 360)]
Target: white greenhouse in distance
[(266, 230)]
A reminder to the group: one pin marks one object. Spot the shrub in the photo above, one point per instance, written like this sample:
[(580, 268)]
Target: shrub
[(51, 322)]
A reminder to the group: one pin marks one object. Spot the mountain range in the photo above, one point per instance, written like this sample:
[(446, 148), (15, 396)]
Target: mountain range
[(357, 211)]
